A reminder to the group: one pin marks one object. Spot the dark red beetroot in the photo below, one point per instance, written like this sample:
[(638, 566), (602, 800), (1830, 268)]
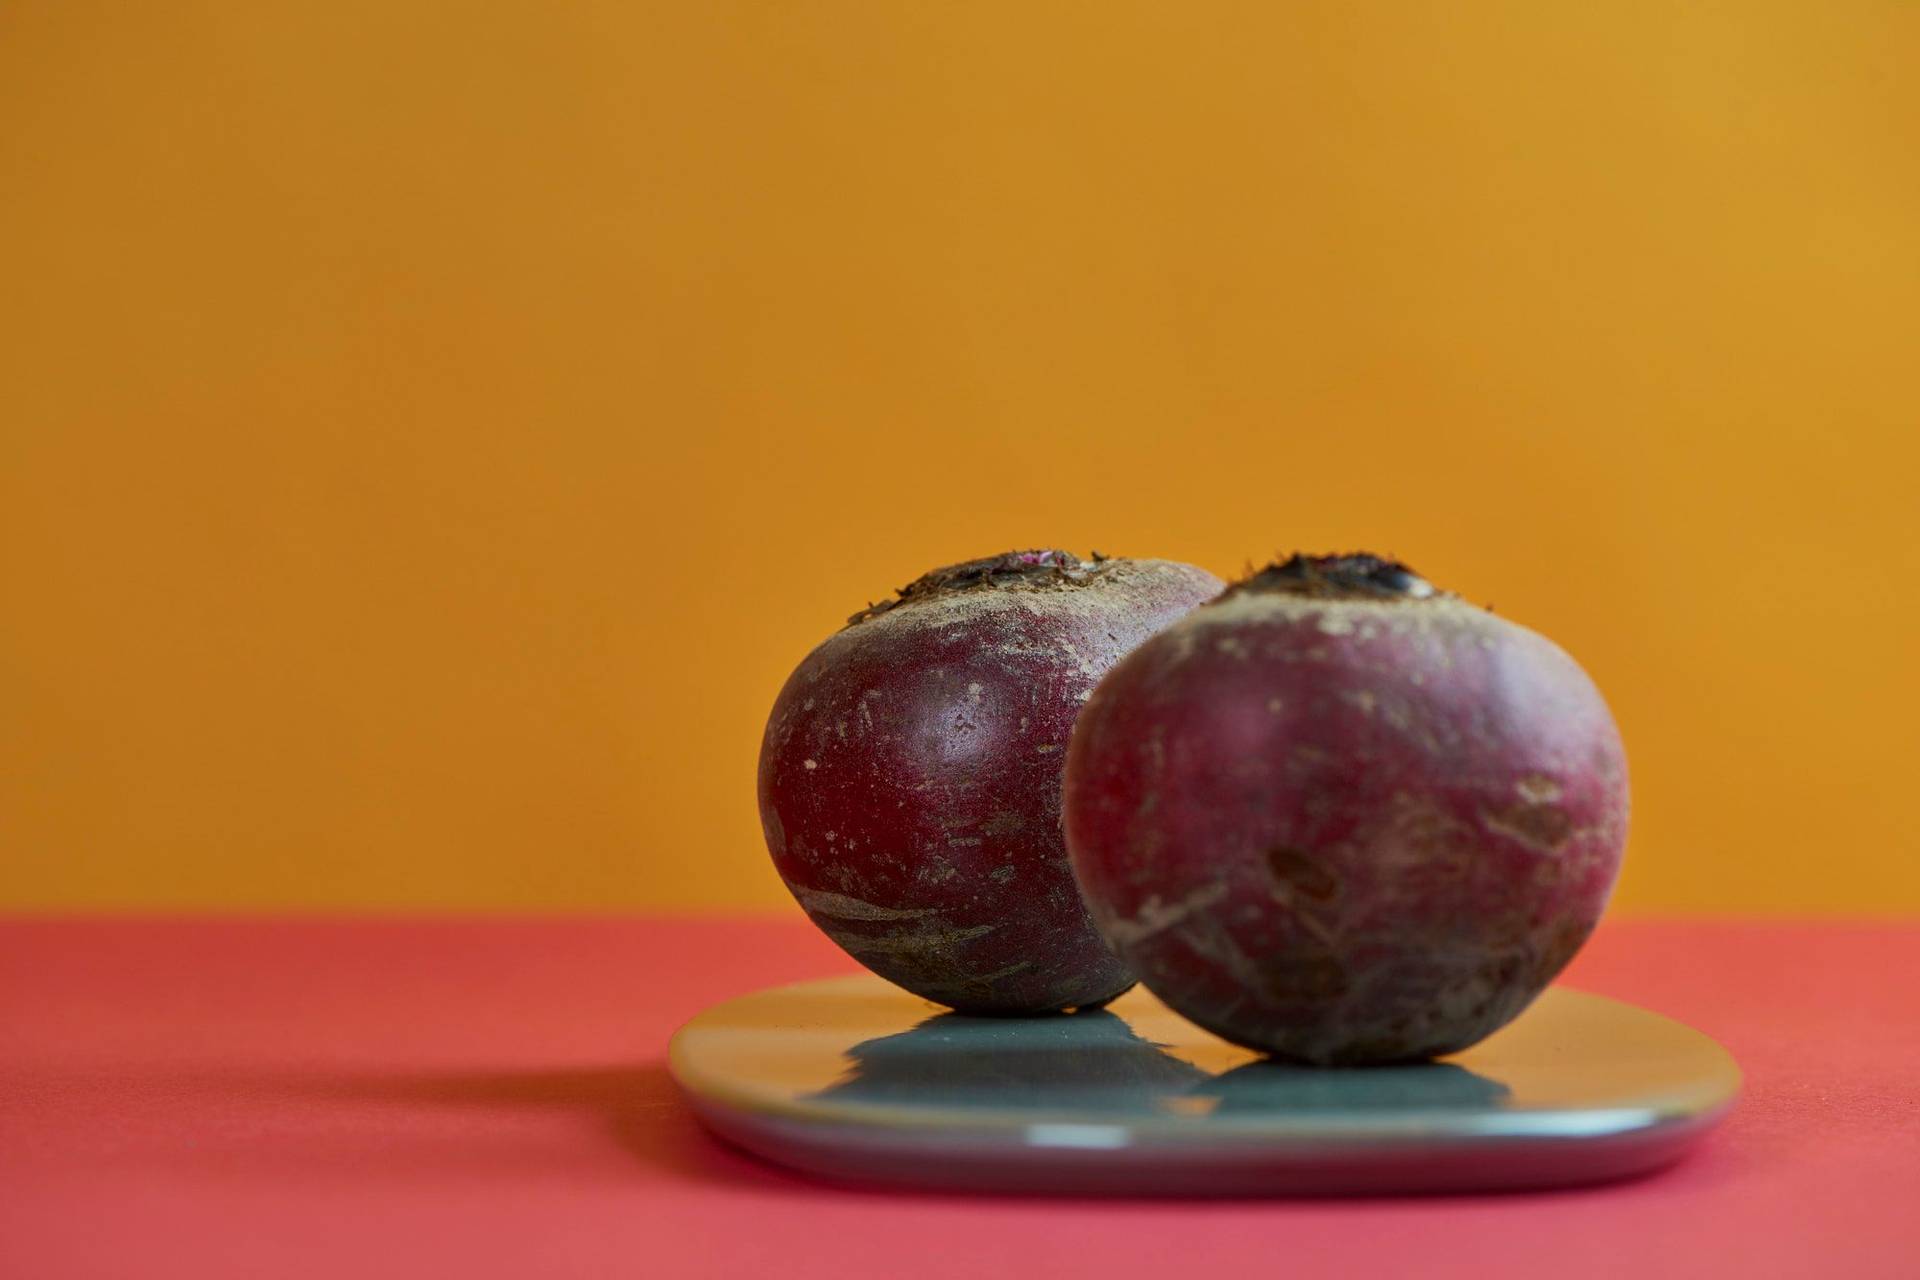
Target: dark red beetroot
[(910, 774), (1344, 818)]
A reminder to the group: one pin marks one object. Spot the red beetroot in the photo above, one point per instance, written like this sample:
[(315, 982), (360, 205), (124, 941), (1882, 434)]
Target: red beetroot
[(910, 774), (1344, 818)]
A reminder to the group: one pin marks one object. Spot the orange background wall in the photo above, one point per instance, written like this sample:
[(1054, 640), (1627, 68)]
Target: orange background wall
[(429, 433)]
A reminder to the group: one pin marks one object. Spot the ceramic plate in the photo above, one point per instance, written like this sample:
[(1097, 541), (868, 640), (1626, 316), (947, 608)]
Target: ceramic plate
[(854, 1079)]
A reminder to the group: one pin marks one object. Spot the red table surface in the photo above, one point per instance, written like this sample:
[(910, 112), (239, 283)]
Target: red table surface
[(487, 1098)]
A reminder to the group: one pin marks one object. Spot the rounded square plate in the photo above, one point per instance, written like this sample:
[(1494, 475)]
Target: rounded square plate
[(852, 1078)]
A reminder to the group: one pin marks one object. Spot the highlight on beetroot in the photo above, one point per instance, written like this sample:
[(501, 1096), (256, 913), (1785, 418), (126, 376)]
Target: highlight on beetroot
[(1343, 817), (910, 774)]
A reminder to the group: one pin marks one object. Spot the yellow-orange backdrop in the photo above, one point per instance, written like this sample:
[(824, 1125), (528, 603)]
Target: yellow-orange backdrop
[(431, 432)]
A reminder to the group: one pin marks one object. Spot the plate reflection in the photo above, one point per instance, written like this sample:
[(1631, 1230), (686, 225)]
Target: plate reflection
[(1426, 1086), (1091, 1058), (1095, 1060)]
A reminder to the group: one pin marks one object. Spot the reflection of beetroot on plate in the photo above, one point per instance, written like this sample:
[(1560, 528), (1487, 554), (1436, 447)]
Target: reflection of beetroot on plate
[(1345, 818), (910, 774), (1090, 1057), (1280, 1088)]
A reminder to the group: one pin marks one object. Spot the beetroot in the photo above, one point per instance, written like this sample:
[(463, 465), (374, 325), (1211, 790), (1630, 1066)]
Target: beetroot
[(1342, 817), (910, 774)]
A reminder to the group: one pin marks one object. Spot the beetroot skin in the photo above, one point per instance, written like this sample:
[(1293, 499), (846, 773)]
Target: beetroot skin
[(1341, 817), (910, 774)]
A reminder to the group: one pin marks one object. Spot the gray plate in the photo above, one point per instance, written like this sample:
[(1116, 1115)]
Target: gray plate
[(854, 1079)]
